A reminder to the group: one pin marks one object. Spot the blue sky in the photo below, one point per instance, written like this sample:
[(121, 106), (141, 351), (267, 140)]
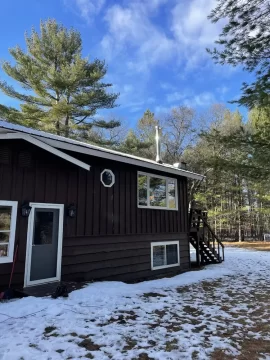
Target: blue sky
[(154, 49)]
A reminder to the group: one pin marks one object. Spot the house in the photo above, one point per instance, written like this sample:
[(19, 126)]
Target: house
[(76, 212)]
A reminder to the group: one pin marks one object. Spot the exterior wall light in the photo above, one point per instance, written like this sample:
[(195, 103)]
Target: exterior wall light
[(26, 209), (71, 211)]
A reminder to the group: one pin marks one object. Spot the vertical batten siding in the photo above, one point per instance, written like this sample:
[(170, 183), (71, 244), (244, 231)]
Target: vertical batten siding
[(121, 257), (102, 213)]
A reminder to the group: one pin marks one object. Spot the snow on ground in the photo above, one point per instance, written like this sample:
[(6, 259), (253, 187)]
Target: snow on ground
[(220, 312)]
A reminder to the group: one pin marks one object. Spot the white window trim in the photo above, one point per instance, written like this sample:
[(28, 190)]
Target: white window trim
[(148, 206), (113, 178), (12, 231), (164, 243)]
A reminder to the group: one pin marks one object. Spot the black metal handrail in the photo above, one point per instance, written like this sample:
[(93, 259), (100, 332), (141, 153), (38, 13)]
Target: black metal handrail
[(197, 220)]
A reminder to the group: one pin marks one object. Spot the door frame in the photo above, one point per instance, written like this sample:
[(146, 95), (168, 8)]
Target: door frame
[(29, 242)]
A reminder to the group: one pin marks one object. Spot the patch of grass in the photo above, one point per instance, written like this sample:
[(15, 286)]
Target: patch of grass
[(173, 327), (199, 329), (153, 326), (153, 294), (192, 311), (33, 346), (49, 329), (130, 312), (73, 334), (184, 289), (195, 355), (130, 344), (122, 318), (171, 345), (60, 351), (194, 321), (89, 345), (143, 356), (161, 313), (89, 356), (219, 354)]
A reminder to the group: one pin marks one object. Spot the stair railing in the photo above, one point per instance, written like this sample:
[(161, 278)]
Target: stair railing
[(198, 220), (194, 222)]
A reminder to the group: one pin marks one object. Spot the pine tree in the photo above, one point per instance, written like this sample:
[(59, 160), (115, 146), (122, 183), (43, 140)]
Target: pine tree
[(141, 141), (133, 145), (224, 192), (62, 91), (146, 133), (245, 40)]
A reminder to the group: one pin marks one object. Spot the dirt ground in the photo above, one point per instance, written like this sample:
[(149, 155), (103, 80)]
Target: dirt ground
[(253, 245)]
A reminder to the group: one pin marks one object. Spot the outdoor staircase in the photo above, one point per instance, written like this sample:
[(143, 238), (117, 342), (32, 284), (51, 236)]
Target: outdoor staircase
[(209, 248)]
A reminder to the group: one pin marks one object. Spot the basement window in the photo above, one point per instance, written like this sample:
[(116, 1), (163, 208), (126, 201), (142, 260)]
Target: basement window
[(164, 254), (157, 192), (8, 214)]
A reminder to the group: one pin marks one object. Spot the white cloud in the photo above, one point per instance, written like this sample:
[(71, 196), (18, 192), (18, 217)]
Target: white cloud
[(203, 99), (167, 86), (161, 110), (189, 98), (192, 30), (222, 90), (131, 30), (176, 96), (87, 9), (166, 35)]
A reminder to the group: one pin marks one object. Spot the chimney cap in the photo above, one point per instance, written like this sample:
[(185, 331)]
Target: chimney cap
[(181, 165)]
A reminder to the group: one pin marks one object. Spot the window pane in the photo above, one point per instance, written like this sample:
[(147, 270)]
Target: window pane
[(172, 254), (4, 237), (107, 178), (157, 192), (171, 193), (3, 250), (43, 231), (5, 217), (142, 186), (158, 255)]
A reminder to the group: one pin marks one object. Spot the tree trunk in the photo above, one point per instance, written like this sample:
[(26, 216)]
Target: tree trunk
[(57, 126), (67, 126), (239, 229)]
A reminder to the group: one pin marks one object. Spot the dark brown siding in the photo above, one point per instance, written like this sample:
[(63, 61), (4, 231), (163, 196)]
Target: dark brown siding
[(110, 237), (114, 257)]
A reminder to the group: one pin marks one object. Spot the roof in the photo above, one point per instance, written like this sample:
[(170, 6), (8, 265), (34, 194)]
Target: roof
[(56, 143)]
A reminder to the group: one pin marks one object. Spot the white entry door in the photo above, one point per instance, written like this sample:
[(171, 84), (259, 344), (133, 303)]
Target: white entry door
[(44, 244)]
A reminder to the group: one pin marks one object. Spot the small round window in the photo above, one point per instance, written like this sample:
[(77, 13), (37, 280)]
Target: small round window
[(107, 178)]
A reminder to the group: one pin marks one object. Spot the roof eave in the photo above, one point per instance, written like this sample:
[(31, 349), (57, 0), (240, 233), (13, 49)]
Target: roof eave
[(44, 146), (121, 158)]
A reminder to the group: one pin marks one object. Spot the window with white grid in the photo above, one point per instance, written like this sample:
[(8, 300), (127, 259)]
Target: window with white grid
[(8, 215)]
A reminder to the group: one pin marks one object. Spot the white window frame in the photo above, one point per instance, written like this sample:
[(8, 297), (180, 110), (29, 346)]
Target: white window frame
[(12, 231), (113, 178), (164, 243), (29, 244), (148, 206)]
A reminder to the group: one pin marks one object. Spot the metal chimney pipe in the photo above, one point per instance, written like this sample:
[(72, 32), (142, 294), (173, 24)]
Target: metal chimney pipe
[(158, 158)]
